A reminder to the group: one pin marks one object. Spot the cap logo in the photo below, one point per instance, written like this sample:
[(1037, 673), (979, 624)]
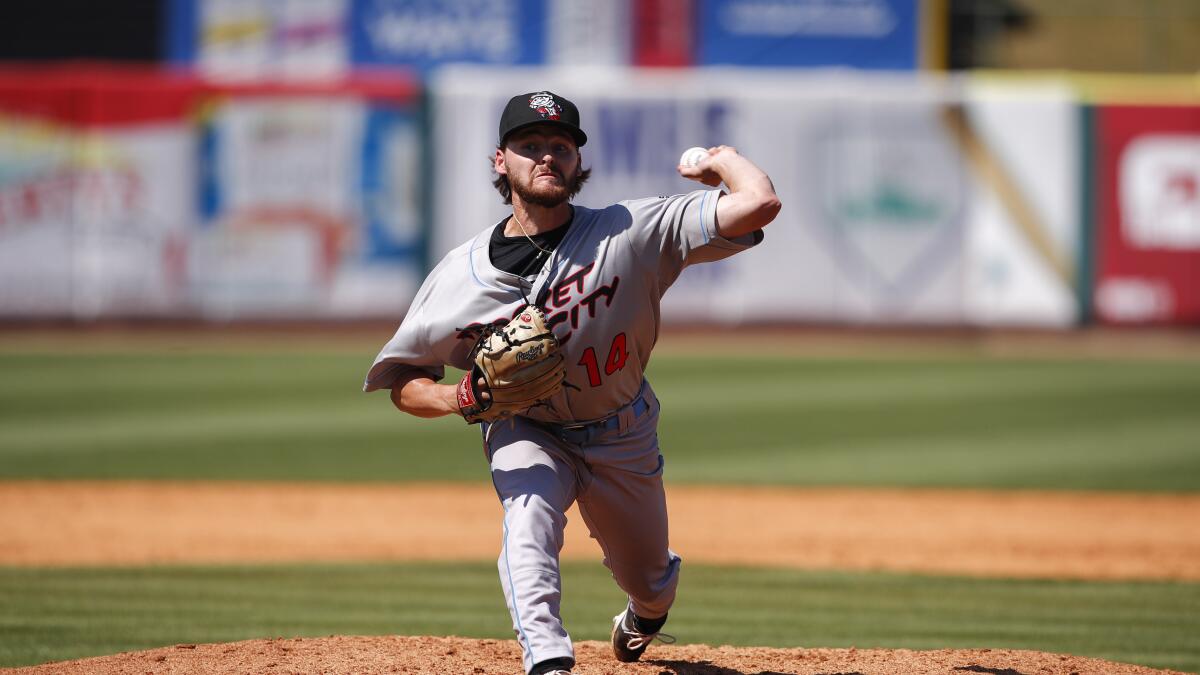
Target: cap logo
[(545, 106)]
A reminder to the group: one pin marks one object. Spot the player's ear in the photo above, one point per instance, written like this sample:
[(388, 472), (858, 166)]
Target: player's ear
[(498, 163)]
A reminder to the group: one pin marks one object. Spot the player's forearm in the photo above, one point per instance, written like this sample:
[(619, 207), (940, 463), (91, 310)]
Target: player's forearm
[(751, 203), (421, 396)]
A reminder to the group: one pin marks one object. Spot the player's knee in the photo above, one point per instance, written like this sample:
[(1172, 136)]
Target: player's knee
[(652, 588), (533, 529)]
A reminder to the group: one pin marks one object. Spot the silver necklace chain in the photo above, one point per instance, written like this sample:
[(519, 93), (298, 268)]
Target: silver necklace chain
[(531, 241)]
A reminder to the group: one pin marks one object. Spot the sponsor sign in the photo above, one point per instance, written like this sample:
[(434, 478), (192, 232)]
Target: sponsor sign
[(1159, 181), (893, 193), (884, 221), (1148, 244), (427, 33), (588, 33), (94, 192), (664, 33), (310, 209), (118, 198), (1024, 235), (242, 39), (872, 34)]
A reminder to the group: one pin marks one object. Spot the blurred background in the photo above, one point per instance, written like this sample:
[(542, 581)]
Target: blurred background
[(980, 163), (986, 277)]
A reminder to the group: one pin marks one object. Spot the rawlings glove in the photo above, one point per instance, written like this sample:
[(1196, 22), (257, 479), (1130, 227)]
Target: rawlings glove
[(520, 364)]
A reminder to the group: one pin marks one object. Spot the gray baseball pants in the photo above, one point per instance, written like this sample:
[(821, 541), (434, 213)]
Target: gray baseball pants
[(616, 477)]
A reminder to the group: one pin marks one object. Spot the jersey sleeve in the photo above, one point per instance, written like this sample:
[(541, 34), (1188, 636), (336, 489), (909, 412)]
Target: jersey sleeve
[(435, 331), (409, 349), (418, 344), (671, 233)]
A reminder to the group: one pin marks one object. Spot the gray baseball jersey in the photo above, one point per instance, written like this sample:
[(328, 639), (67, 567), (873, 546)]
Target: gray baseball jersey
[(601, 292)]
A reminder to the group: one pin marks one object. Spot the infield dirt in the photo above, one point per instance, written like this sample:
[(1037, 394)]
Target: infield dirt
[(1066, 535)]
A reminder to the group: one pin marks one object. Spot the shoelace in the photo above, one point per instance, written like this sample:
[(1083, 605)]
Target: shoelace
[(634, 640)]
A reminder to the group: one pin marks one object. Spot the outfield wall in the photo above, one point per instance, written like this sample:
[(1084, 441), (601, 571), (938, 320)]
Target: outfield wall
[(130, 192), (906, 200), (1147, 201), (96, 186), (909, 199)]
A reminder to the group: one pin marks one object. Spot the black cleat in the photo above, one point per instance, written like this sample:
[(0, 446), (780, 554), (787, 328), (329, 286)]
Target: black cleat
[(628, 642)]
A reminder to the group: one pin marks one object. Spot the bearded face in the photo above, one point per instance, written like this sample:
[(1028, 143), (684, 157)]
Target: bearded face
[(542, 166), (547, 189)]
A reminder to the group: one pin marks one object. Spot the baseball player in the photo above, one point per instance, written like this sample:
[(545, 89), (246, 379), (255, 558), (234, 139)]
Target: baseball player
[(596, 277)]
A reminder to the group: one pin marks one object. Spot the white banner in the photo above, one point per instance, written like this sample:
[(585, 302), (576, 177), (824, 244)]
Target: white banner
[(276, 206), (586, 32), (1024, 235), (906, 199), (92, 222), (246, 39), (311, 210)]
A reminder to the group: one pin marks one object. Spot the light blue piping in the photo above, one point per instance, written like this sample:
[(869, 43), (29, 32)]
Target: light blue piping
[(471, 264), (513, 587)]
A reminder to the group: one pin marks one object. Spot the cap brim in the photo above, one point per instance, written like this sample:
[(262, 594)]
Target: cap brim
[(573, 131)]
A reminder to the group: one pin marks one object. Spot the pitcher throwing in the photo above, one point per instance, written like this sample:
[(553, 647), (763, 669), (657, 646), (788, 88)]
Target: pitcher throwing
[(553, 313)]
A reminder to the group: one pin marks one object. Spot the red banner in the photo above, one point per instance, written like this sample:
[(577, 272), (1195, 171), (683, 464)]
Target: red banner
[(94, 94), (664, 33), (1148, 230)]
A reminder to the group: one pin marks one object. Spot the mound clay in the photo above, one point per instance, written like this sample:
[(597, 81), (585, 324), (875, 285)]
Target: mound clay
[(380, 655)]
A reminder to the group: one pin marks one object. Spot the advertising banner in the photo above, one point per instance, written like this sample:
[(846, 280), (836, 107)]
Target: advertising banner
[(242, 39), (869, 34), (1022, 143), (309, 207), (129, 192), (588, 33), (1148, 244), (906, 200), (424, 34), (95, 191), (664, 33)]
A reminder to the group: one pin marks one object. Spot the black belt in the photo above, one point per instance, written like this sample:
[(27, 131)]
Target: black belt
[(580, 434)]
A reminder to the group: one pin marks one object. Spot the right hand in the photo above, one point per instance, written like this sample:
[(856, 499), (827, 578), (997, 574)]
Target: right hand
[(704, 171)]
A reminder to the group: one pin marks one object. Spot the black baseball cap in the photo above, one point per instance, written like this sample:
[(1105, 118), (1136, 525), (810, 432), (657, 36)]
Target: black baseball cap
[(541, 107)]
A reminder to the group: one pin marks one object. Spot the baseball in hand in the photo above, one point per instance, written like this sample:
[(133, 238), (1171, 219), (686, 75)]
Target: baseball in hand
[(692, 156)]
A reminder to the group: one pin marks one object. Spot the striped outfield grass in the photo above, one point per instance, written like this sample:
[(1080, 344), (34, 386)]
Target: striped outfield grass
[(56, 614), (954, 422)]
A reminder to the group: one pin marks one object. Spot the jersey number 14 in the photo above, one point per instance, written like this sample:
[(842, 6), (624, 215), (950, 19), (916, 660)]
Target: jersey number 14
[(617, 355)]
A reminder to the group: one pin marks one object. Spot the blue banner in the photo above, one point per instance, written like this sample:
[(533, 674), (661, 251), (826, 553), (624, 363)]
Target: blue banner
[(181, 32), (390, 186), (427, 33), (869, 34)]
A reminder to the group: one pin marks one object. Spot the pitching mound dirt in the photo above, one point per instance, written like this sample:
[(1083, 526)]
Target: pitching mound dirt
[(379, 655)]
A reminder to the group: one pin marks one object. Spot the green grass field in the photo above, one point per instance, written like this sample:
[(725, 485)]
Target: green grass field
[(57, 614), (958, 421), (1113, 425)]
